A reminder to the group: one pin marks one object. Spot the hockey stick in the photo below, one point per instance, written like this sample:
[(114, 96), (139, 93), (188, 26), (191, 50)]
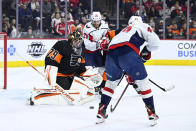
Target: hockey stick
[(112, 109), (121, 79), (63, 92), (163, 89)]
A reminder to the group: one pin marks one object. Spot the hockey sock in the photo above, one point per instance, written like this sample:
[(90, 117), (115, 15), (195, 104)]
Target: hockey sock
[(105, 99), (149, 102)]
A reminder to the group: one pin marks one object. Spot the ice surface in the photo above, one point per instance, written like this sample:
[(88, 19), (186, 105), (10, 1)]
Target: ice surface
[(176, 108)]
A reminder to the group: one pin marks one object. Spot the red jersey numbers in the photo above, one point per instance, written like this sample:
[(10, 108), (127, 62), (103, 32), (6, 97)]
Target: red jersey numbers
[(85, 36), (90, 37), (149, 29), (54, 55), (127, 29)]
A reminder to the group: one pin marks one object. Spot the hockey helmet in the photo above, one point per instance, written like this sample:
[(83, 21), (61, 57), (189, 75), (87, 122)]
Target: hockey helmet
[(76, 39), (96, 16), (135, 19), (96, 19)]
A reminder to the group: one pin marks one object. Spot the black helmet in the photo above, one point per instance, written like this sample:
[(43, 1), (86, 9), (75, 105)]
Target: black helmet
[(76, 39), (76, 35)]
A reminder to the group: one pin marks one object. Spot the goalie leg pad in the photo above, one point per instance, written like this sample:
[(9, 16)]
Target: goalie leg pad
[(51, 74), (52, 96)]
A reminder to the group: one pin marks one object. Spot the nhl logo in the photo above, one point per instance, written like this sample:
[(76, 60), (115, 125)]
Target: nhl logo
[(36, 49)]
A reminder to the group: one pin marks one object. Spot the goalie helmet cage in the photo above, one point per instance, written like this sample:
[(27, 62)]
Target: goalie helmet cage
[(3, 60)]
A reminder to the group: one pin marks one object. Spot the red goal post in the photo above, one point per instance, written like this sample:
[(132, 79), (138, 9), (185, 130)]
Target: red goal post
[(3, 60)]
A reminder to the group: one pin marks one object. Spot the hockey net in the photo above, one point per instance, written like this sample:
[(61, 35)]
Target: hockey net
[(3, 60)]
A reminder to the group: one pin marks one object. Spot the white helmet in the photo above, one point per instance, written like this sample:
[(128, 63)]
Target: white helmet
[(96, 16), (135, 18)]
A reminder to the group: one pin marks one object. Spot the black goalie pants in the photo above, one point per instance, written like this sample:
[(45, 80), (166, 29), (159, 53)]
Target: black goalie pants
[(65, 82)]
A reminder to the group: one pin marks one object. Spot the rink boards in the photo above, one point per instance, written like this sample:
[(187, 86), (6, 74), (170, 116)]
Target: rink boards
[(171, 52)]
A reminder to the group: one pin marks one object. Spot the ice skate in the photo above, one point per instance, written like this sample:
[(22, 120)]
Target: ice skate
[(101, 115), (153, 119), (152, 116)]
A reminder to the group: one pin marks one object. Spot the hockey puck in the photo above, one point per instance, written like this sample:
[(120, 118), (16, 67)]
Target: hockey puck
[(91, 107)]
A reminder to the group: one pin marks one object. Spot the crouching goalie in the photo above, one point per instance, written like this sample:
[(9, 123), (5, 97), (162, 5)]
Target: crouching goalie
[(66, 74)]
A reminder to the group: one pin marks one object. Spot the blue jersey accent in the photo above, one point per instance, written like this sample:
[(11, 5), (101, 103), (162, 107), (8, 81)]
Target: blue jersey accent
[(136, 40), (94, 59), (124, 59)]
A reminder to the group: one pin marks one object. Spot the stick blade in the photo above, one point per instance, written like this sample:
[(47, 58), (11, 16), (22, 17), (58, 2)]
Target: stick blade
[(170, 88), (111, 109)]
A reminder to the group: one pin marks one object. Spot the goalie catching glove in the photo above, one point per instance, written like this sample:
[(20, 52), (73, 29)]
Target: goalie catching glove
[(145, 54)]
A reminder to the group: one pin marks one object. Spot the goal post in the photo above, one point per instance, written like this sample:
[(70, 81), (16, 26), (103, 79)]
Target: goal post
[(3, 60)]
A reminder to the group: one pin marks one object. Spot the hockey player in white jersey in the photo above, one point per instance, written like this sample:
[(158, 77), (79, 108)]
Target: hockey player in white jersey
[(94, 33), (124, 55)]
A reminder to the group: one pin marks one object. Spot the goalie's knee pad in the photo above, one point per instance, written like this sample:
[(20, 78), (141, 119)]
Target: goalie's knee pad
[(144, 86), (110, 87), (51, 74)]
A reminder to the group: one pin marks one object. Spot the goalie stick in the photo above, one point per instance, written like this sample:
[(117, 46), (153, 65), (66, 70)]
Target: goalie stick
[(63, 92)]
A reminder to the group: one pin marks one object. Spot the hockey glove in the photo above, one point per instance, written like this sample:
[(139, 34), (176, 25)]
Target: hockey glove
[(145, 54), (103, 43), (129, 79)]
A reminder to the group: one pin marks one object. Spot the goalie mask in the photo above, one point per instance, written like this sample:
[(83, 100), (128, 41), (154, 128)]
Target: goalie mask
[(76, 39), (96, 19)]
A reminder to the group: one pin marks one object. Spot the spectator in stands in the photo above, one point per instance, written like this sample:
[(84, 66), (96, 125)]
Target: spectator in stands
[(78, 15), (74, 2), (169, 34), (47, 8), (152, 12), (175, 9), (126, 5), (13, 28), (135, 7), (76, 22), (170, 3), (159, 29), (5, 29), (35, 8), (29, 33), (20, 33), (105, 17), (175, 31), (26, 16), (7, 26), (61, 27), (192, 30), (83, 23), (87, 15), (183, 32), (55, 21)]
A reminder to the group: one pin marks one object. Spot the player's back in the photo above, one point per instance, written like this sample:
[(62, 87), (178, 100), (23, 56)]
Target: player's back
[(136, 34)]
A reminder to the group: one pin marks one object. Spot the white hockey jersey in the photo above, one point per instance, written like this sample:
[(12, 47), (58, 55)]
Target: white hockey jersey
[(134, 35), (91, 35)]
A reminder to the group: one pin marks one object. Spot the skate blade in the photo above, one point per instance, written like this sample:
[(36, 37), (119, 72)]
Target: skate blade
[(100, 121), (153, 122)]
